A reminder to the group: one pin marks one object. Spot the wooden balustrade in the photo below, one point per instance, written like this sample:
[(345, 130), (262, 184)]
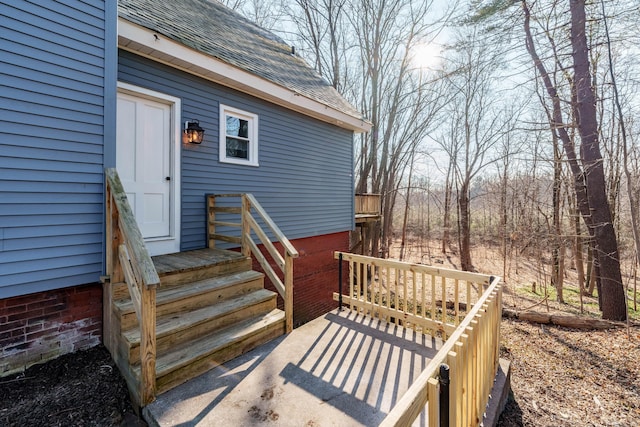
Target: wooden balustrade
[(128, 261), (464, 308), (419, 296), (367, 208), (367, 204), (221, 228)]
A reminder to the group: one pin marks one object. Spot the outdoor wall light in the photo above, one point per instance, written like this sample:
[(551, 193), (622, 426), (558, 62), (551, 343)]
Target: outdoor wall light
[(193, 133)]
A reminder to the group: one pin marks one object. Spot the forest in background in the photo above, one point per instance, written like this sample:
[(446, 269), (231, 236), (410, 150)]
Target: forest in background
[(496, 122)]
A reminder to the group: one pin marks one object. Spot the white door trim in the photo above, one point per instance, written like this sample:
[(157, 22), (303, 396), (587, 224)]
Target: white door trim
[(170, 244)]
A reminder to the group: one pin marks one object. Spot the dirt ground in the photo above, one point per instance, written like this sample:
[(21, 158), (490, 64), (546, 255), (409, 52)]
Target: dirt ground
[(560, 377)]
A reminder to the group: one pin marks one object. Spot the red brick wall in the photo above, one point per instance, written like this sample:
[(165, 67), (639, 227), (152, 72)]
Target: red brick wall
[(315, 275), (42, 326)]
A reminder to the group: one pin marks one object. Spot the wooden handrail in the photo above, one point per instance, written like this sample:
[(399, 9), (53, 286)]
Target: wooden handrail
[(472, 347), (144, 268), (286, 244), (248, 227), (128, 261)]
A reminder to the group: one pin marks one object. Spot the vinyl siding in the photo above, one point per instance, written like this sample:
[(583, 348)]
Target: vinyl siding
[(52, 125), (304, 178)]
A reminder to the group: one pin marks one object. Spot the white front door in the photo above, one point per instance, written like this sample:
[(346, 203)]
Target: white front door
[(146, 160)]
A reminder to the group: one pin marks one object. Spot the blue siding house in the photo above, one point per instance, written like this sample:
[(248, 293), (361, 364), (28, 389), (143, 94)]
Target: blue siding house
[(87, 85), (57, 112)]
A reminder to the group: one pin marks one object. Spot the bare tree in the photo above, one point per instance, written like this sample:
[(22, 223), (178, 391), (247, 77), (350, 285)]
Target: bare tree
[(587, 169), (265, 13), (325, 38), (477, 123)]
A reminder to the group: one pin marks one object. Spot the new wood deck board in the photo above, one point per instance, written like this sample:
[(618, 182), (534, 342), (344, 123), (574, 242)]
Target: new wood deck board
[(192, 260)]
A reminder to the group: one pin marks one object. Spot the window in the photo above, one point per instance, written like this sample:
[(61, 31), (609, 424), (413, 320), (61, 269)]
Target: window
[(238, 136)]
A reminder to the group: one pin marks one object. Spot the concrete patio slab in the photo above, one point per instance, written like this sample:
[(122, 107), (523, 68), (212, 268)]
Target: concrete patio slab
[(341, 369)]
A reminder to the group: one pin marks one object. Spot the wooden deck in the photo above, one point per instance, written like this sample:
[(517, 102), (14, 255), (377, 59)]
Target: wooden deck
[(340, 369)]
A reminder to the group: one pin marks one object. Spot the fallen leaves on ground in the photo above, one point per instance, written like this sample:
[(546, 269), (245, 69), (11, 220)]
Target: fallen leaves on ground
[(565, 377)]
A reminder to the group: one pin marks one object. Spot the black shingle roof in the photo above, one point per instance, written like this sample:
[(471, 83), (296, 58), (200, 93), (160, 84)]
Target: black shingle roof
[(215, 30)]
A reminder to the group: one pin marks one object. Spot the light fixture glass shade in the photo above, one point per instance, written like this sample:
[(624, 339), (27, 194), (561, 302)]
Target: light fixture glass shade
[(194, 134)]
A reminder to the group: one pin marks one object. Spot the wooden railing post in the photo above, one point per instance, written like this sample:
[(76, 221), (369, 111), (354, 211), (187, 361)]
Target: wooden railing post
[(497, 318), (113, 270), (246, 226), (211, 223), (288, 291), (148, 344), (433, 399)]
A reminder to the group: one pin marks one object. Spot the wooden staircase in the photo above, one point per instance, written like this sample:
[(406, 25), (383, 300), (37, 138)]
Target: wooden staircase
[(173, 317), (210, 308)]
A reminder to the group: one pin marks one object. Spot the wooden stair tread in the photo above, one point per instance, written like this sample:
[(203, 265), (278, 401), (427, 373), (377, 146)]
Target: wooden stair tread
[(173, 323), (203, 346), (167, 295), (194, 260)]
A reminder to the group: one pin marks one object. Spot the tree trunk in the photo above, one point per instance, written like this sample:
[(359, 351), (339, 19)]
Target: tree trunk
[(568, 321), (503, 219), (465, 228), (557, 275), (606, 245), (406, 209), (589, 182), (446, 221), (591, 271), (578, 256)]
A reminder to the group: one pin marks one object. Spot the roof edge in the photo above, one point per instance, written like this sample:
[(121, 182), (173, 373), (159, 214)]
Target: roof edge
[(155, 46)]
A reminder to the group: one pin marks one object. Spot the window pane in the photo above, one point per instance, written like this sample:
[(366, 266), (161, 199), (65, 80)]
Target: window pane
[(237, 127), (244, 129), (237, 148), (233, 125)]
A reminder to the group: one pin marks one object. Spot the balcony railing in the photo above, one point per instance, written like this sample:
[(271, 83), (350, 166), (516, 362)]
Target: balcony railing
[(367, 207), (463, 308)]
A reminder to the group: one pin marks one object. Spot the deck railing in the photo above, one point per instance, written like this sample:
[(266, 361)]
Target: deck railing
[(463, 308), (367, 204), (221, 228), (128, 261), (367, 208)]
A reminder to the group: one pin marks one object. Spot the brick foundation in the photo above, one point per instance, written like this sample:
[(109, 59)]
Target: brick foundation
[(42, 326), (315, 275)]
